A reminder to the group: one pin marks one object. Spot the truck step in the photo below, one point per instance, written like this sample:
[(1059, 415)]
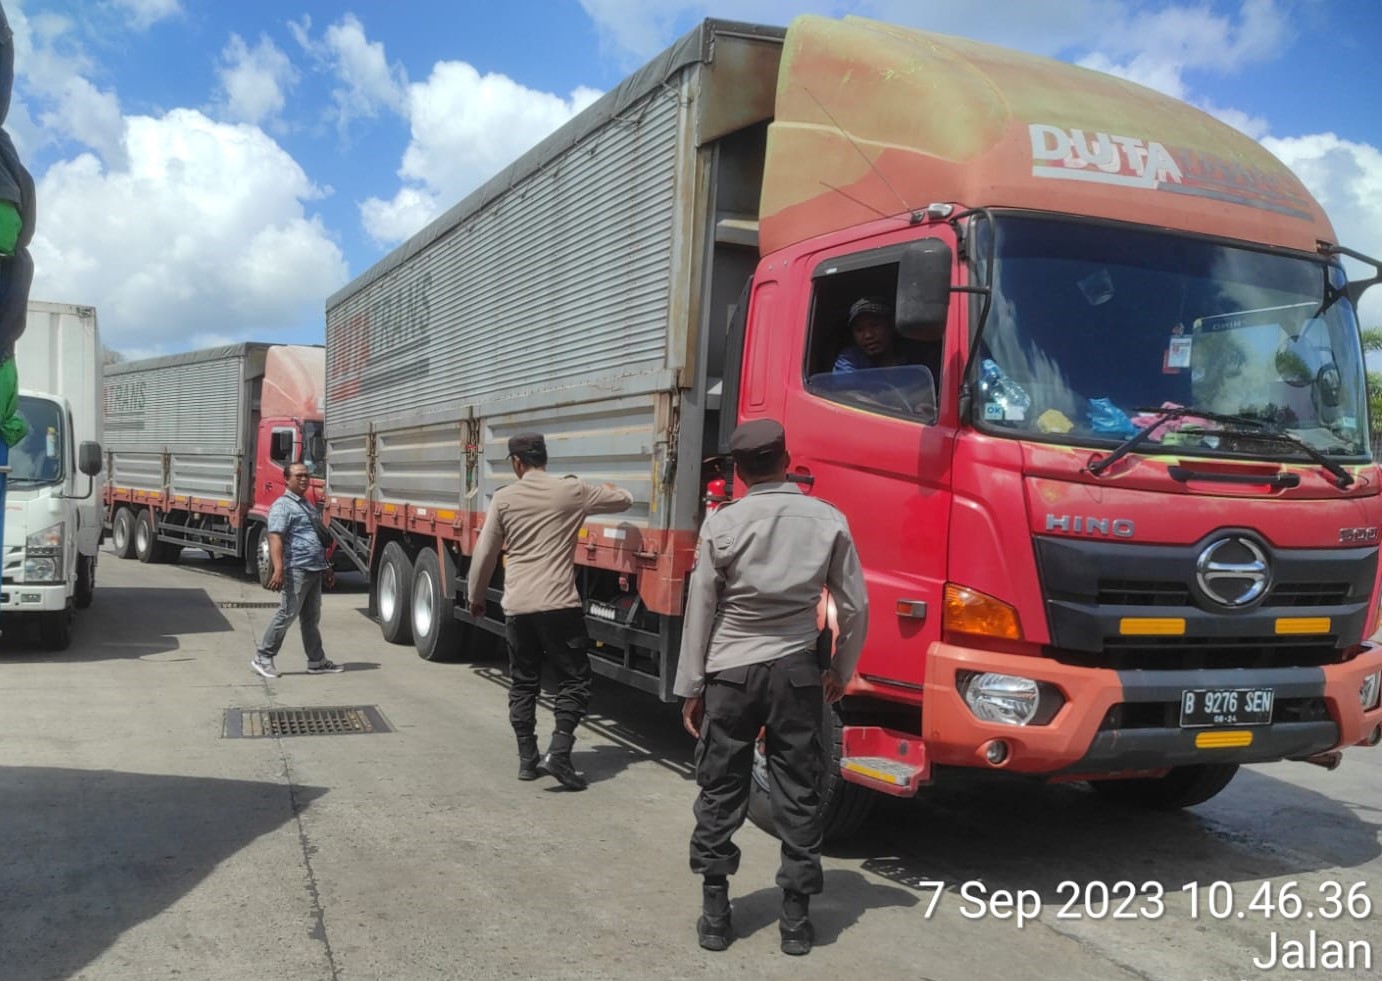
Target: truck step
[(880, 773)]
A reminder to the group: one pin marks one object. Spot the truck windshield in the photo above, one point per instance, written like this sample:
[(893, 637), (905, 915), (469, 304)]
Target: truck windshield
[(1095, 331), (39, 457), (313, 447)]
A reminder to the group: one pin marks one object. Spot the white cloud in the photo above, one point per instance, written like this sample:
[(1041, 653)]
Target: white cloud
[(390, 222), (255, 81), (465, 127), (87, 115), (143, 14), (56, 75), (203, 234), (1157, 48), (369, 84), (1346, 178)]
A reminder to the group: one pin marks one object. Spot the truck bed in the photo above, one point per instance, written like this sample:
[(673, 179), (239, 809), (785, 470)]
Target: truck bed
[(575, 294), (197, 409)]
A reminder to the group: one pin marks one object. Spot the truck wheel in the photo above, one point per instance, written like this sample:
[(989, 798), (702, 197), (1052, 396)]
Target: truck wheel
[(845, 806), (122, 533), (436, 633), (146, 548), (393, 587), (55, 630), (1184, 786), (86, 581), (263, 560)]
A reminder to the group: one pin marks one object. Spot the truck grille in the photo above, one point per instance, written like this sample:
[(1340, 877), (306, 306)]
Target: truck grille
[(1092, 587), (1132, 592), (14, 562), (1196, 653)]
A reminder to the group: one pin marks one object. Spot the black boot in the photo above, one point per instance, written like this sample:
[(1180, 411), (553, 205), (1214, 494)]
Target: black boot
[(795, 924), (714, 929), (529, 762), (558, 761)]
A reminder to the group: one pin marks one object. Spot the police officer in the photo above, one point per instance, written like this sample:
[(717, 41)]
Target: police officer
[(536, 520), (749, 662)]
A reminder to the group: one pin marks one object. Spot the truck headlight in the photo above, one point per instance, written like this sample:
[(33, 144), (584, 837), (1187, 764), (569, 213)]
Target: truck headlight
[(1002, 698), (40, 569), (1370, 690), (46, 542)]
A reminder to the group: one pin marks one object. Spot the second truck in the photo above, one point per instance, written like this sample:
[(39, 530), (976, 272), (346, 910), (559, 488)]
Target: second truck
[(1129, 534), (196, 444)]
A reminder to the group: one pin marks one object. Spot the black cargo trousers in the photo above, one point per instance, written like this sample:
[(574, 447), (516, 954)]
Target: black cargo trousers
[(783, 698), (557, 636)]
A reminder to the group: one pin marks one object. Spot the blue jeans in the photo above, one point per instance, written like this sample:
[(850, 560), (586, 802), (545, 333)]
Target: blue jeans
[(301, 600)]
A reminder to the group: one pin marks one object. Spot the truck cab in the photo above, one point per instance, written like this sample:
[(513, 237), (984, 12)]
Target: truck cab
[(52, 520), (53, 524)]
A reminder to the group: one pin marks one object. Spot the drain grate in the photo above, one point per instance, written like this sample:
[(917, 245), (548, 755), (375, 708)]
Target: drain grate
[(319, 721), (244, 605)]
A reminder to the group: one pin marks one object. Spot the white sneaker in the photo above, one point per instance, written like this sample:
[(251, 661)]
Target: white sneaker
[(265, 666), (323, 667)]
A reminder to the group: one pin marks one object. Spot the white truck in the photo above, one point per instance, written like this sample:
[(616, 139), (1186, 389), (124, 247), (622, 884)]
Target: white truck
[(53, 505)]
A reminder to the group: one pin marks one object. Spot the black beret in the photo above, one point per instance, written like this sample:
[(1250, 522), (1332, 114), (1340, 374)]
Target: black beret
[(527, 443), (758, 437)]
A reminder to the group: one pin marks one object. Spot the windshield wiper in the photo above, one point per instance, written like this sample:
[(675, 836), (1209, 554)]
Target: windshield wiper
[(1163, 416), (1255, 428), (1341, 476)]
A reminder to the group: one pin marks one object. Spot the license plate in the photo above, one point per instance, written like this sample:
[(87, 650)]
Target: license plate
[(1202, 707)]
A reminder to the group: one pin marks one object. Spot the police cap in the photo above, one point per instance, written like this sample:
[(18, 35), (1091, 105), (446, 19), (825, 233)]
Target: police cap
[(527, 443), (758, 438)]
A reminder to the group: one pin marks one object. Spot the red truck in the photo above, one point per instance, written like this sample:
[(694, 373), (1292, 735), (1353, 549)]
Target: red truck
[(1120, 522), (197, 444)]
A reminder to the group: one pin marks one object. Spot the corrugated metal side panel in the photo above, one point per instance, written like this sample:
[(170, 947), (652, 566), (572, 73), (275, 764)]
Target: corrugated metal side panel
[(346, 466), (59, 353), (197, 406), (422, 465), (611, 440), (564, 278), (137, 471), (205, 475)]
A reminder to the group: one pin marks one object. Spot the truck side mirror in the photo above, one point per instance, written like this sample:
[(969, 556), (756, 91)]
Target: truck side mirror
[(89, 457), (923, 289), (316, 447)]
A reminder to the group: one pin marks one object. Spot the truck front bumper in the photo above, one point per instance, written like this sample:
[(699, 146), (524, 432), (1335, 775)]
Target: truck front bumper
[(16, 598), (1123, 722)]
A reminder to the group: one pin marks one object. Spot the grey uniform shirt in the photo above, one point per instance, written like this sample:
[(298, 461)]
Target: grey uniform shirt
[(537, 519), (759, 571)]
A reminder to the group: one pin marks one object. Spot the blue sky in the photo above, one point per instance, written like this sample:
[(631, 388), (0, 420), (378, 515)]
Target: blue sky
[(211, 170)]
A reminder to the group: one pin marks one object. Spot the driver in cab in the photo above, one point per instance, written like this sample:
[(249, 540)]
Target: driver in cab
[(876, 344)]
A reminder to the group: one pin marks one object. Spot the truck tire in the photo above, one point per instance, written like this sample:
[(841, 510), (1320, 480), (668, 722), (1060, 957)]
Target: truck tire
[(1184, 786), (86, 581), (122, 533), (55, 630), (845, 806), (436, 631), (393, 589), (146, 548), (258, 562)]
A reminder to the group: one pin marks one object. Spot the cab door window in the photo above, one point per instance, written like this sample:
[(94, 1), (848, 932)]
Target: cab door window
[(854, 355), (281, 447)]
